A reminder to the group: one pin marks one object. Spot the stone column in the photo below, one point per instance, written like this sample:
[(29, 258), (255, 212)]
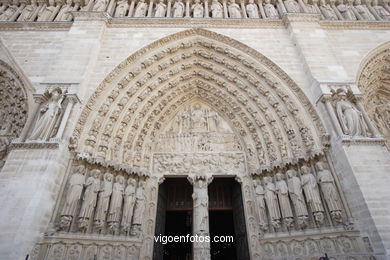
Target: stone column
[(150, 10), (72, 100), (261, 8), (243, 9), (169, 8), (303, 6), (200, 224), (187, 15), (225, 11), (131, 9), (206, 9)]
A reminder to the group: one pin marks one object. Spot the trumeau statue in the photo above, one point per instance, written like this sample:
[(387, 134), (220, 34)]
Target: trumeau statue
[(100, 6), (329, 190), (64, 14), (363, 11), (259, 191), (296, 194), (270, 10), (272, 202), (312, 194), (49, 115), (139, 207), (201, 206), (161, 8), (121, 8), (47, 11), (178, 9), (27, 11), (284, 201), (128, 207), (252, 10), (292, 6), (9, 11), (351, 119), (234, 9), (346, 11), (327, 11), (89, 199), (103, 202), (380, 10), (116, 203), (197, 9), (140, 10), (216, 9)]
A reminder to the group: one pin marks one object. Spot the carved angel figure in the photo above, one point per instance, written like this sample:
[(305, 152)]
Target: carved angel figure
[(116, 203), (252, 10), (178, 9), (351, 119), (270, 11), (128, 207), (104, 200), (161, 8), (312, 194), (121, 8), (216, 9), (48, 117), (292, 6), (100, 6), (296, 194), (363, 11), (27, 11), (46, 12), (327, 10), (64, 14), (140, 10), (9, 11), (272, 202), (380, 10), (259, 191), (234, 10), (284, 201), (197, 9)]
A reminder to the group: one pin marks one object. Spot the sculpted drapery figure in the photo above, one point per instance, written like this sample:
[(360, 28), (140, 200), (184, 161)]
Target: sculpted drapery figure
[(140, 10), (103, 202), (201, 205), (234, 9), (64, 14), (116, 203), (9, 11), (272, 202), (284, 201), (197, 9), (292, 6), (363, 11), (161, 8), (128, 204), (92, 187), (329, 190), (310, 7), (260, 193), (346, 11), (296, 194), (121, 8), (178, 9), (27, 11), (216, 9), (351, 119), (380, 10), (48, 117), (100, 6), (252, 10), (46, 12), (139, 207), (327, 10), (312, 194), (270, 10)]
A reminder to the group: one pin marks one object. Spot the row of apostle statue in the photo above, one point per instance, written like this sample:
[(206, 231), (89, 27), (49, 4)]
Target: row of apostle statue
[(52, 10), (103, 202), (293, 198)]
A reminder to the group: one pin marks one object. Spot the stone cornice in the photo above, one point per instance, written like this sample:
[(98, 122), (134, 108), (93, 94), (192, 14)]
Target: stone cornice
[(301, 18), (358, 25), (15, 145), (347, 140), (35, 26)]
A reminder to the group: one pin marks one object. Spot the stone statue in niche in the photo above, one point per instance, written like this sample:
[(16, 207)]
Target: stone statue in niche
[(64, 13), (216, 9), (121, 8), (140, 10), (346, 11), (128, 207), (270, 11), (46, 12), (139, 208), (292, 6), (328, 187), (310, 7), (92, 187), (363, 11), (197, 9), (312, 194), (260, 193), (201, 205), (327, 11), (48, 119), (27, 11), (100, 6), (272, 202), (296, 194), (116, 203), (284, 201), (252, 10), (73, 196), (161, 8), (103, 202), (178, 9), (9, 11), (380, 10), (234, 9), (350, 118)]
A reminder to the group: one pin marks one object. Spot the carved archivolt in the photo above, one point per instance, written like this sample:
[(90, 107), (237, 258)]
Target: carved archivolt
[(275, 122), (13, 107), (374, 82)]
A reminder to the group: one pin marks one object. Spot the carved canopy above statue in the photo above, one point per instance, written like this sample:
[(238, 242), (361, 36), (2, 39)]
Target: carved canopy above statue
[(265, 112)]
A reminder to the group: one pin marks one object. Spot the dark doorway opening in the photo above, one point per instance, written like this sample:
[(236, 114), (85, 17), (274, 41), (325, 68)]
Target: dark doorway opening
[(221, 224), (174, 218)]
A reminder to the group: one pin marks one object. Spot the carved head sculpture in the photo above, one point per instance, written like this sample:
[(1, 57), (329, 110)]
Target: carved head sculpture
[(120, 179), (358, 2), (279, 176), (267, 1), (108, 177), (305, 169), (322, 3), (267, 180), (95, 173), (251, 1), (141, 184), (56, 94), (257, 182), (131, 181), (319, 166), (291, 173), (80, 169)]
